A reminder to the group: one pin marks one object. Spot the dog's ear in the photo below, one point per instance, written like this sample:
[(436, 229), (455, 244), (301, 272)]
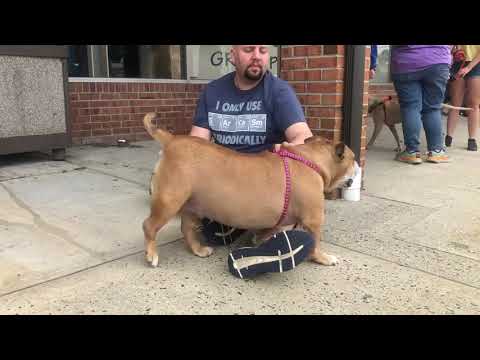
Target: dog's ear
[(340, 150)]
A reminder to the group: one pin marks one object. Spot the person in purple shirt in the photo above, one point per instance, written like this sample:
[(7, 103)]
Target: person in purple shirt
[(420, 74)]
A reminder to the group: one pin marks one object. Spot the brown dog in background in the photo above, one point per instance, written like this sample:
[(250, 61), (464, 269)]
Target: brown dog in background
[(386, 111), (198, 179)]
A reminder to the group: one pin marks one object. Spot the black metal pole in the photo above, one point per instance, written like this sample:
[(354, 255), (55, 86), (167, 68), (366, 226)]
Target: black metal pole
[(353, 97)]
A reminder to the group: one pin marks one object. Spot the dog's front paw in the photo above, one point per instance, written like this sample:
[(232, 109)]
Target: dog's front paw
[(203, 251), (324, 259), (331, 260), (152, 259)]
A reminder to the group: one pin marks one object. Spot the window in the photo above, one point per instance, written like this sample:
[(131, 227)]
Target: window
[(382, 75), (203, 62), (208, 62), (78, 60), (127, 61)]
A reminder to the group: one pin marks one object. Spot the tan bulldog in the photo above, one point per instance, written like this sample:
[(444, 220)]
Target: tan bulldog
[(199, 179)]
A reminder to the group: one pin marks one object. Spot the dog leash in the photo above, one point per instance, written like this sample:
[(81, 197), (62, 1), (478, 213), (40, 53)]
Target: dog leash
[(284, 154)]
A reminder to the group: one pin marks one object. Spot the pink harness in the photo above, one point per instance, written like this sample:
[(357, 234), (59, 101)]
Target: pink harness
[(284, 154)]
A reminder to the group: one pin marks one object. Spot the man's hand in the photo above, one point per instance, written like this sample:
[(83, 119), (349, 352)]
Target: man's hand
[(372, 73), (278, 146)]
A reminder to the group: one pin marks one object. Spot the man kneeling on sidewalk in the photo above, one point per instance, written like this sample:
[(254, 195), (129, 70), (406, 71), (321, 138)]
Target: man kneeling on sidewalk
[(250, 110)]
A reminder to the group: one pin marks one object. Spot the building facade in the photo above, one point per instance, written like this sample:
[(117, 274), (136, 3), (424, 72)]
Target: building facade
[(111, 87)]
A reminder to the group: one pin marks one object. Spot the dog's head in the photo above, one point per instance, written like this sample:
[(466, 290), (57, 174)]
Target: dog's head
[(337, 160)]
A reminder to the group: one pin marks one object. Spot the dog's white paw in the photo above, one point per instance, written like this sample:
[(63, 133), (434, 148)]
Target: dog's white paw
[(332, 260), (152, 260), (204, 251), (325, 259), (155, 261)]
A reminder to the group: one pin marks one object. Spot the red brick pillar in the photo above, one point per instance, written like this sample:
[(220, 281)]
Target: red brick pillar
[(316, 73), (366, 88)]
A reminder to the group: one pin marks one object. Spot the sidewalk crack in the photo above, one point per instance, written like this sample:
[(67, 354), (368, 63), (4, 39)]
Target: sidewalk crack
[(46, 227)]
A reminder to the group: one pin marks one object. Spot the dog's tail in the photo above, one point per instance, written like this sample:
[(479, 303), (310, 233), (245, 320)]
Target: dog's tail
[(456, 107), (162, 136)]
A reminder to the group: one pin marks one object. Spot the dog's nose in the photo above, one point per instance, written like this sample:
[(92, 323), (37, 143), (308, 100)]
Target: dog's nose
[(349, 182)]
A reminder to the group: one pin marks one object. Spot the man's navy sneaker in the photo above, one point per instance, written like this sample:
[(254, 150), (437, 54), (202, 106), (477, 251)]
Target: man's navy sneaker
[(282, 252)]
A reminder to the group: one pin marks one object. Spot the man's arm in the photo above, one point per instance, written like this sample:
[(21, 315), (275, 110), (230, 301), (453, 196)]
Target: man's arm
[(290, 117), (200, 126), (373, 61), (373, 57), (201, 132), (297, 133)]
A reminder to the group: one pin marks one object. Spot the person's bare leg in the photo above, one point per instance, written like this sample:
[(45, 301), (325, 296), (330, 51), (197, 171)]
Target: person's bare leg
[(457, 92), (473, 101)]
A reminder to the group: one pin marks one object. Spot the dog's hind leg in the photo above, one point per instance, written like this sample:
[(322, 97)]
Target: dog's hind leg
[(393, 129), (376, 131), (161, 212), (314, 227), (190, 224)]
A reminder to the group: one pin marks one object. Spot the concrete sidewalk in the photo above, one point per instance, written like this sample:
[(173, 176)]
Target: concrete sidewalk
[(71, 242)]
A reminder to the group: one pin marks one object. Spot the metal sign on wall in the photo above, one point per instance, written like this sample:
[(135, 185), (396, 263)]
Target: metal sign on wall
[(208, 62)]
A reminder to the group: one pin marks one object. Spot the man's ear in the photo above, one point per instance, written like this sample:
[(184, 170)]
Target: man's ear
[(232, 55), (340, 150)]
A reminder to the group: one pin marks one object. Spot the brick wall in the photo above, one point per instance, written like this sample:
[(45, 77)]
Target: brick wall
[(316, 73), (102, 112)]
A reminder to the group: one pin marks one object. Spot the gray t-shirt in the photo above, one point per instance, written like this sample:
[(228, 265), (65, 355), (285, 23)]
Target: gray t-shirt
[(248, 120)]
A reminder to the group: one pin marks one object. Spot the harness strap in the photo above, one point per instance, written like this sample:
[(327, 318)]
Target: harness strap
[(284, 154), (288, 189)]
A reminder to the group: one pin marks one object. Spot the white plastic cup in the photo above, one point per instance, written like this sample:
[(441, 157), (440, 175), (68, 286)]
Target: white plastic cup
[(352, 193)]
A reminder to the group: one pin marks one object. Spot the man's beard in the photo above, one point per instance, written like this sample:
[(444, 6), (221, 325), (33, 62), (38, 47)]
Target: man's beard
[(253, 77)]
